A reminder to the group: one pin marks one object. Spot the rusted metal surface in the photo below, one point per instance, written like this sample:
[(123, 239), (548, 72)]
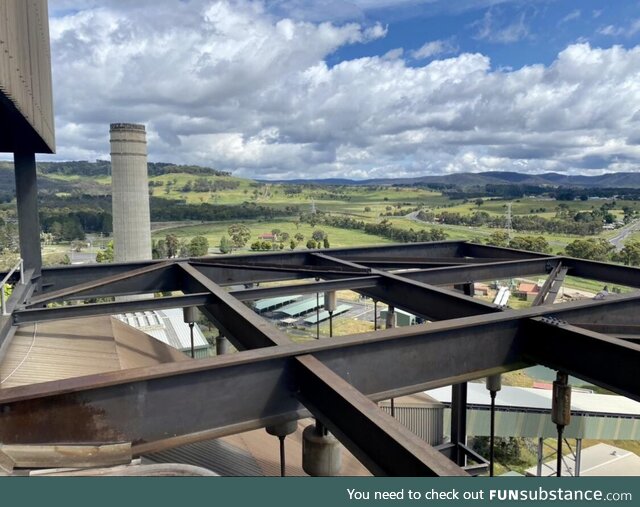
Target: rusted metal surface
[(598, 358), (239, 324), (254, 387), (160, 406), (129, 277), (357, 422)]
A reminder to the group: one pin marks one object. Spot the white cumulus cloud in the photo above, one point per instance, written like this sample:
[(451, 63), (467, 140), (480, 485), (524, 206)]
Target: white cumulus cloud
[(231, 85)]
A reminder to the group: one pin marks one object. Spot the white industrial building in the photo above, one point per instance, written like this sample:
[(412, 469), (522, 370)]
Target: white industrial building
[(168, 326)]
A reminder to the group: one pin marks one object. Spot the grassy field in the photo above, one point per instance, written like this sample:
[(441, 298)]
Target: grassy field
[(215, 230)]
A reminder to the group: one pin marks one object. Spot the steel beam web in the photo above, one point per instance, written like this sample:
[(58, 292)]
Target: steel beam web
[(601, 359), (379, 441)]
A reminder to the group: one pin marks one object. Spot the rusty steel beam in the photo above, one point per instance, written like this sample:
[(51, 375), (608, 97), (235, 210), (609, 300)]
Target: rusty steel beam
[(600, 359), (379, 441), (476, 250), (431, 302), (252, 389), (241, 325), (551, 286), (308, 271), (132, 282), (255, 387), (475, 273), (55, 279), (610, 329), (30, 315), (603, 272), (365, 260), (254, 294)]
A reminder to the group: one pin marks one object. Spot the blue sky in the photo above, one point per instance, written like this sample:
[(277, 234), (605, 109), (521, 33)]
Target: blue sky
[(513, 33), (360, 88)]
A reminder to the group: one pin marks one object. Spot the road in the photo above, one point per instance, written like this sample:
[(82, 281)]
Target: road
[(617, 241), (622, 234)]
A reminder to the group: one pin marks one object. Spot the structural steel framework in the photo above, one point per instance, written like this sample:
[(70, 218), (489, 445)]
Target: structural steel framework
[(338, 380)]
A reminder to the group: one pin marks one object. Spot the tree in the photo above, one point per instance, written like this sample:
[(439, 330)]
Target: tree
[(531, 243), (284, 237), (292, 245), (56, 230), (311, 244), (105, 256), (183, 249), (506, 449), (630, 253), (199, 246), (173, 245), (276, 234), (592, 249), (78, 245), (239, 235), (326, 242), (159, 249), (498, 238), (299, 237), (318, 235), (226, 246)]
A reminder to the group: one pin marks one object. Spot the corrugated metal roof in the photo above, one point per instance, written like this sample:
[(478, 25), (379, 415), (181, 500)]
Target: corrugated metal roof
[(74, 348), (167, 326), (266, 304), (250, 454), (540, 400), (324, 315), (302, 307)]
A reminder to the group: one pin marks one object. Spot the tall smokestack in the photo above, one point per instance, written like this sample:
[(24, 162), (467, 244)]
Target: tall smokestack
[(130, 192)]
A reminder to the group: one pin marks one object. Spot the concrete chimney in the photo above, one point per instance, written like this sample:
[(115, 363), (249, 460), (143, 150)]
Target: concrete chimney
[(130, 193)]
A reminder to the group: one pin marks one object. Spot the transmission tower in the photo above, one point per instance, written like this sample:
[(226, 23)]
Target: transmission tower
[(508, 224)]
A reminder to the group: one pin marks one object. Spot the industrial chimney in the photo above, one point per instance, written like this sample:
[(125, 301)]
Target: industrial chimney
[(130, 193)]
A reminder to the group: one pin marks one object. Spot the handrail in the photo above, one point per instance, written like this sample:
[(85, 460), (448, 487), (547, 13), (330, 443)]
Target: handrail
[(19, 266)]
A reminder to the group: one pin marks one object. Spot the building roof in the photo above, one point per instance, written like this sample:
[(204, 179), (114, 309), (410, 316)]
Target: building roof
[(598, 460), (397, 311), (168, 326), (528, 287), (538, 400), (324, 314), (417, 400), (254, 453), (302, 307), (266, 304), (63, 349)]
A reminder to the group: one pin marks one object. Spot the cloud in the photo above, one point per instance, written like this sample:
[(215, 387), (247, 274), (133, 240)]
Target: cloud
[(621, 31), (573, 15), (433, 48), (493, 28), (233, 86)]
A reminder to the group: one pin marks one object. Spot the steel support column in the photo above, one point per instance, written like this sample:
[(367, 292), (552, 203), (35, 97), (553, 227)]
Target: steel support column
[(27, 204), (459, 421)]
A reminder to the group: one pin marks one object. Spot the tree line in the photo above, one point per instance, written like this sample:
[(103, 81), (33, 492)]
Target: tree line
[(384, 228)]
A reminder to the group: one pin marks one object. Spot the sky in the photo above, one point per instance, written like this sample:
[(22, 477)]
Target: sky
[(357, 89)]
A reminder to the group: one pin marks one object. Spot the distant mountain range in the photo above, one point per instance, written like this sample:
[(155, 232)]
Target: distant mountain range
[(613, 180), (460, 180)]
